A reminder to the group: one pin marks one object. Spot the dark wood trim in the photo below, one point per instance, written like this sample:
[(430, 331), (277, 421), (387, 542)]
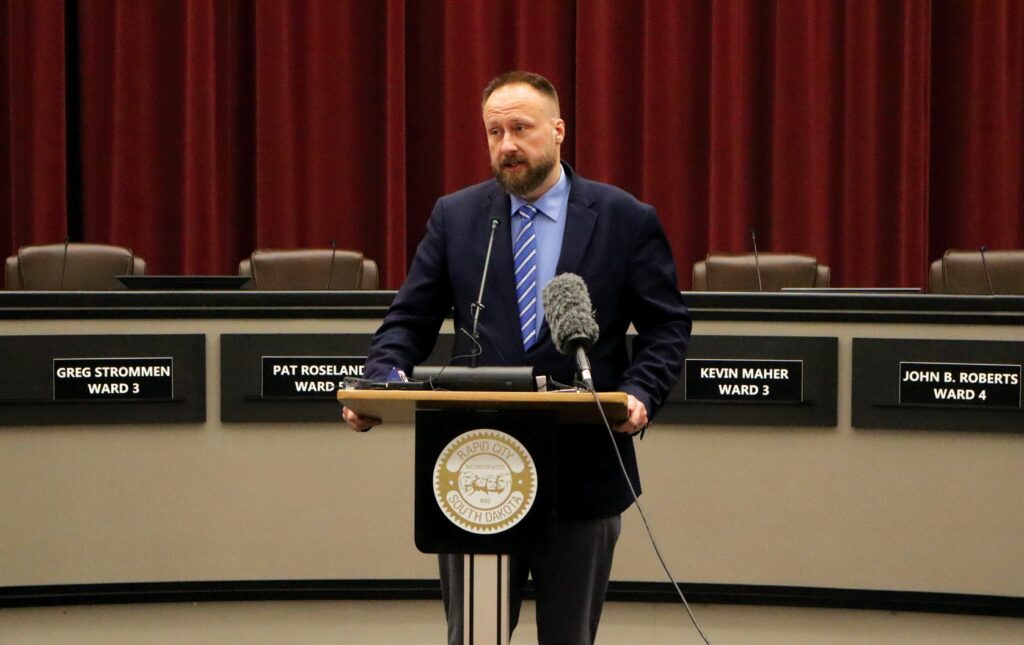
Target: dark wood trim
[(705, 306), (428, 589)]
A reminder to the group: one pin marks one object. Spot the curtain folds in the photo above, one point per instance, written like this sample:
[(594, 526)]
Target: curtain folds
[(977, 125), (871, 134), (33, 169)]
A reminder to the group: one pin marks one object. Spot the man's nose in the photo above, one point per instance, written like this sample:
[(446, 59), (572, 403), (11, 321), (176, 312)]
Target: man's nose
[(508, 144)]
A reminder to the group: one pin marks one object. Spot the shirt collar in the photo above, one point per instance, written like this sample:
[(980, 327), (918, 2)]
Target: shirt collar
[(550, 203)]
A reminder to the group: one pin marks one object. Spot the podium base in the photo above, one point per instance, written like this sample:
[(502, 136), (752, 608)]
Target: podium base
[(485, 609)]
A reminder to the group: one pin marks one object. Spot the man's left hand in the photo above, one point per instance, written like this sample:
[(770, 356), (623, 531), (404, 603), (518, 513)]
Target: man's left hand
[(637, 420)]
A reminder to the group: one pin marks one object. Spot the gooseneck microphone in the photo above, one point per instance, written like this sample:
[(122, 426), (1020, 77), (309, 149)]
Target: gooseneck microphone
[(477, 306), (570, 316), (334, 252), (757, 261), (988, 276), (64, 263)]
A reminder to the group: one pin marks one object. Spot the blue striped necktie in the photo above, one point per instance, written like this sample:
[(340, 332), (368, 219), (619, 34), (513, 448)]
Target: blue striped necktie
[(524, 257)]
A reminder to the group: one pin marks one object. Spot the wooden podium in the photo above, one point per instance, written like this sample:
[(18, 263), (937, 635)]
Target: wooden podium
[(485, 479)]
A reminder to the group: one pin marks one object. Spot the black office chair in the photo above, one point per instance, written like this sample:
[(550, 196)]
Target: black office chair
[(309, 269), (73, 267), (721, 272)]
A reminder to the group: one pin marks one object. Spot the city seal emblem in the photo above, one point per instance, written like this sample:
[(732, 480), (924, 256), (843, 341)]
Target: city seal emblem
[(485, 481)]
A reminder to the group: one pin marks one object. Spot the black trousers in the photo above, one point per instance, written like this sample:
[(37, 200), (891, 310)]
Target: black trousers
[(570, 579)]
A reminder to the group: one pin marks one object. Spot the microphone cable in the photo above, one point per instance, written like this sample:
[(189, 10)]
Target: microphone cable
[(477, 351), (643, 516)]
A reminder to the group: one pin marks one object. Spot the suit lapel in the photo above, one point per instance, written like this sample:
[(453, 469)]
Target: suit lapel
[(579, 228)]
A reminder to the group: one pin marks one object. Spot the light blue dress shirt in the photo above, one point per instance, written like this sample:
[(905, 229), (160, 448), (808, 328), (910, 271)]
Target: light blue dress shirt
[(550, 229)]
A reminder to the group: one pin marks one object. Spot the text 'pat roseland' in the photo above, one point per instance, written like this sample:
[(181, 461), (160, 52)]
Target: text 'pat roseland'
[(316, 377)]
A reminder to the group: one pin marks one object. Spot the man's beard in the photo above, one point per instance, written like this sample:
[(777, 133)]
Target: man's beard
[(524, 183)]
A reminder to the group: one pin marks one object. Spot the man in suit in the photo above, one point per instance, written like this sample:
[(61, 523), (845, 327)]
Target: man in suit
[(552, 218)]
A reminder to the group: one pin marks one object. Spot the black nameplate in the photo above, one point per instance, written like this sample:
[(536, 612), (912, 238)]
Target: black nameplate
[(138, 379), (308, 377), (778, 381), (100, 379), (252, 393), (937, 384), (744, 380), (960, 384)]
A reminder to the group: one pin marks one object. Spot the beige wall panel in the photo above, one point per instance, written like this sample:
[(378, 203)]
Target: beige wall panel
[(831, 507)]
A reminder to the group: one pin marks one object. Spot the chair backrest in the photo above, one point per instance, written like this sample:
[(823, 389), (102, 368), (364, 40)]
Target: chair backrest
[(309, 269), (936, 284), (964, 272), (78, 267), (370, 279), (719, 272)]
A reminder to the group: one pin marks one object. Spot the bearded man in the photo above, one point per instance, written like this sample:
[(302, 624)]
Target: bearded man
[(551, 221)]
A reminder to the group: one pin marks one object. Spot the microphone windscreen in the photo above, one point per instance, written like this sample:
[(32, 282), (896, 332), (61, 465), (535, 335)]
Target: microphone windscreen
[(569, 313)]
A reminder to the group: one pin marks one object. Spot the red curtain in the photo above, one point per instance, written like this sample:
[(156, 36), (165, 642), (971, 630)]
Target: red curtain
[(32, 123), (454, 48), (167, 113), (871, 134), (977, 126)]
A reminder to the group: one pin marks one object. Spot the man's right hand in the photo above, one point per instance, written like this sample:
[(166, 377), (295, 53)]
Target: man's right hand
[(357, 422)]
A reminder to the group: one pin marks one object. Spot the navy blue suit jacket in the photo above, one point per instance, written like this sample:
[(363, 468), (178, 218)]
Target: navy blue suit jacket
[(616, 244)]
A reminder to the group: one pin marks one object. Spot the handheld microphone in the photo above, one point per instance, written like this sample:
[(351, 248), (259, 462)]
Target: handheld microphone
[(570, 316), (988, 276), (757, 261), (334, 252), (64, 263), (477, 306)]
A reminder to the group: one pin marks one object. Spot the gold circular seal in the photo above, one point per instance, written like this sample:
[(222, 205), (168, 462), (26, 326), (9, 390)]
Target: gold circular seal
[(485, 481)]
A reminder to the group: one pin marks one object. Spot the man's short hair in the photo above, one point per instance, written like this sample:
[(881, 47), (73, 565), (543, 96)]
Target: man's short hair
[(536, 81)]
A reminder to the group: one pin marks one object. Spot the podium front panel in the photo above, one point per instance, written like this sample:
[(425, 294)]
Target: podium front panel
[(485, 481)]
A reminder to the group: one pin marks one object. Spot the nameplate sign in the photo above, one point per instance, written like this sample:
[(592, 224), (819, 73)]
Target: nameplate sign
[(307, 377), (84, 379), (744, 380), (960, 384)]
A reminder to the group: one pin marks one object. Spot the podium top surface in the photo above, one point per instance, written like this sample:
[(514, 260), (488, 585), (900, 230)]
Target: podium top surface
[(399, 406)]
